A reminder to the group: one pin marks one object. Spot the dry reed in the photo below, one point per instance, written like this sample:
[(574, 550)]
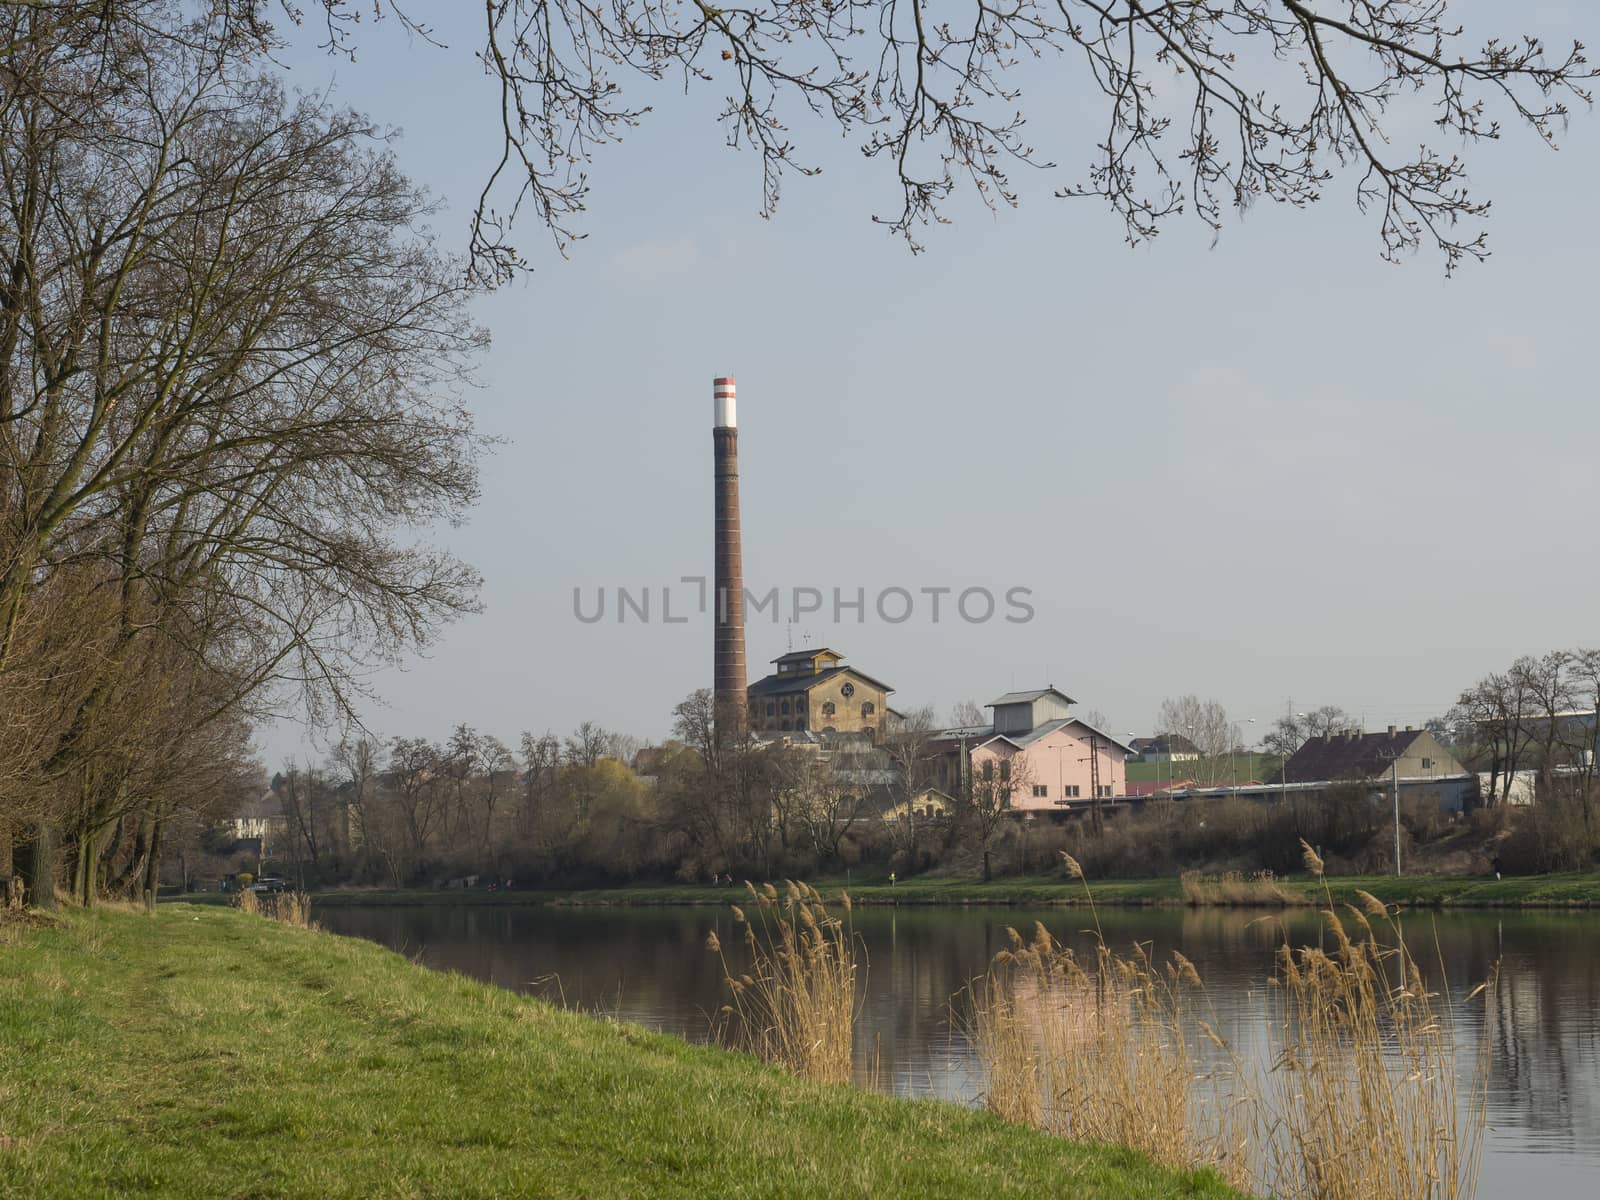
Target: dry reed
[(293, 908), (797, 1003), (1357, 1097), (287, 908), (1234, 889)]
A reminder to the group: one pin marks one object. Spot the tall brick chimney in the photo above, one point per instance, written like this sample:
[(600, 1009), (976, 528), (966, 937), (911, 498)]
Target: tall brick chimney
[(727, 596)]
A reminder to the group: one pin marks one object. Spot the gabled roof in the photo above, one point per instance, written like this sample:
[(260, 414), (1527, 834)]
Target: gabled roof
[(805, 655), (774, 685), (1111, 738), (973, 736), (1029, 697), (1349, 757), (1049, 727)]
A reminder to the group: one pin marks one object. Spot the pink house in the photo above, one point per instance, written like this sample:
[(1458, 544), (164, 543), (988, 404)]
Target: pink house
[(1057, 760)]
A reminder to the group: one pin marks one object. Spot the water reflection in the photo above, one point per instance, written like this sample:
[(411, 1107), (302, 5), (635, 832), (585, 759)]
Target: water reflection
[(650, 965)]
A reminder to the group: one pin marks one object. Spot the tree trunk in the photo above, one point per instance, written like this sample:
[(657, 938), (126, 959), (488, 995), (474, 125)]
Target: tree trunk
[(152, 879), (131, 877), (38, 866), (987, 875), (6, 867)]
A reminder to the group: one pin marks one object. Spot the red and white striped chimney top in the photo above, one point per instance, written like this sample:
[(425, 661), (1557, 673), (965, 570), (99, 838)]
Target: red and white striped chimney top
[(722, 392)]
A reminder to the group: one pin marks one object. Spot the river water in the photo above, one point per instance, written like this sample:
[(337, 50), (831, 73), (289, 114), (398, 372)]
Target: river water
[(651, 966)]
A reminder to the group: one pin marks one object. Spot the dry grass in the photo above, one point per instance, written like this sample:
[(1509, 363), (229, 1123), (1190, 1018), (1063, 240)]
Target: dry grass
[(797, 1003), (1237, 890), (287, 908), (1358, 1096), (293, 908)]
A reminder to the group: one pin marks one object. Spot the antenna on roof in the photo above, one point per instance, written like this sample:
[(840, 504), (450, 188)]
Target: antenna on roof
[(788, 637)]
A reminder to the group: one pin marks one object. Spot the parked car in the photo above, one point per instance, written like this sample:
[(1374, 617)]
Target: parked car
[(269, 884)]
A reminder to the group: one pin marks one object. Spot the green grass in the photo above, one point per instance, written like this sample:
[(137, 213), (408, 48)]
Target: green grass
[(1244, 767), (1572, 890), (206, 1053)]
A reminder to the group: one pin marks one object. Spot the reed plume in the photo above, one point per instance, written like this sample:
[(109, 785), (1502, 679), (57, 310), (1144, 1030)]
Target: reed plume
[(1359, 1094), (797, 1004)]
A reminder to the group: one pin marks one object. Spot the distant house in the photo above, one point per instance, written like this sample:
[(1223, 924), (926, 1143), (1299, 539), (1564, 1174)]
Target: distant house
[(927, 805), (1164, 747), (263, 820), (1353, 757), (1059, 759)]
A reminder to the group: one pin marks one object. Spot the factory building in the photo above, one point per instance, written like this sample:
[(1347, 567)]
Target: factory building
[(813, 691)]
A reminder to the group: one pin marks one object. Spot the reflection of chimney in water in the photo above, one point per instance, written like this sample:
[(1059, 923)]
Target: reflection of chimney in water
[(728, 594)]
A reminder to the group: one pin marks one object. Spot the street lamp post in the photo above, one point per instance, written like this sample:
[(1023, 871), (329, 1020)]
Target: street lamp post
[(1283, 770)]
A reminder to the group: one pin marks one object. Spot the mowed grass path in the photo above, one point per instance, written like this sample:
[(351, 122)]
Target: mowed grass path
[(203, 1052)]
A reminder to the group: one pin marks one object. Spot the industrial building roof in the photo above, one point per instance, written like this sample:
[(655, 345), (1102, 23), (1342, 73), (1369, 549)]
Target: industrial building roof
[(773, 685), (1029, 697)]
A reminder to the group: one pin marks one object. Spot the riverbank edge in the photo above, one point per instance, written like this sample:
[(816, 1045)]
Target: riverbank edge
[(202, 1052), (1577, 890)]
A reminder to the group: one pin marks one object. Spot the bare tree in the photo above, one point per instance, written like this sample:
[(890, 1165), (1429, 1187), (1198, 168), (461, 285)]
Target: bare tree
[(1497, 710), (228, 371), (1205, 723), (1204, 107), (359, 759), (541, 766), (1293, 730), (418, 798), (908, 741), (968, 714), (818, 804), (985, 802)]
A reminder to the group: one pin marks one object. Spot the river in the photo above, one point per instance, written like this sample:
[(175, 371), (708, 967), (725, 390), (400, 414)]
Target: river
[(651, 966)]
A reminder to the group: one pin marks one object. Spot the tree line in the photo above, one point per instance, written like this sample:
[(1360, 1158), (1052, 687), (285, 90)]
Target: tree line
[(1536, 723), (596, 807), (230, 362)]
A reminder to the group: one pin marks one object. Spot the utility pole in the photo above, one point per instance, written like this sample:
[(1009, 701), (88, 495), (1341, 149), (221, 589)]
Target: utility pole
[(1094, 782)]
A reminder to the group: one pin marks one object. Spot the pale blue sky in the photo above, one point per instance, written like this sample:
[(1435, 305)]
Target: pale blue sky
[(1274, 468)]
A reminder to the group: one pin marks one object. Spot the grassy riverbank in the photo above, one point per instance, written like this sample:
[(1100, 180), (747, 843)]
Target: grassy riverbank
[(203, 1052), (1574, 890)]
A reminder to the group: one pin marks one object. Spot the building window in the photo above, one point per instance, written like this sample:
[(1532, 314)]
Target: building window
[(1040, 791), (1071, 791), (827, 708), (784, 709), (1427, 764), (988, 770), (868, 708), (1005, 771), (772, 709), (1105, 789)]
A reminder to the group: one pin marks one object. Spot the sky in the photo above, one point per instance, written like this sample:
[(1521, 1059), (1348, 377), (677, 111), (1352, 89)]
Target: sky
[(1267, 468)]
